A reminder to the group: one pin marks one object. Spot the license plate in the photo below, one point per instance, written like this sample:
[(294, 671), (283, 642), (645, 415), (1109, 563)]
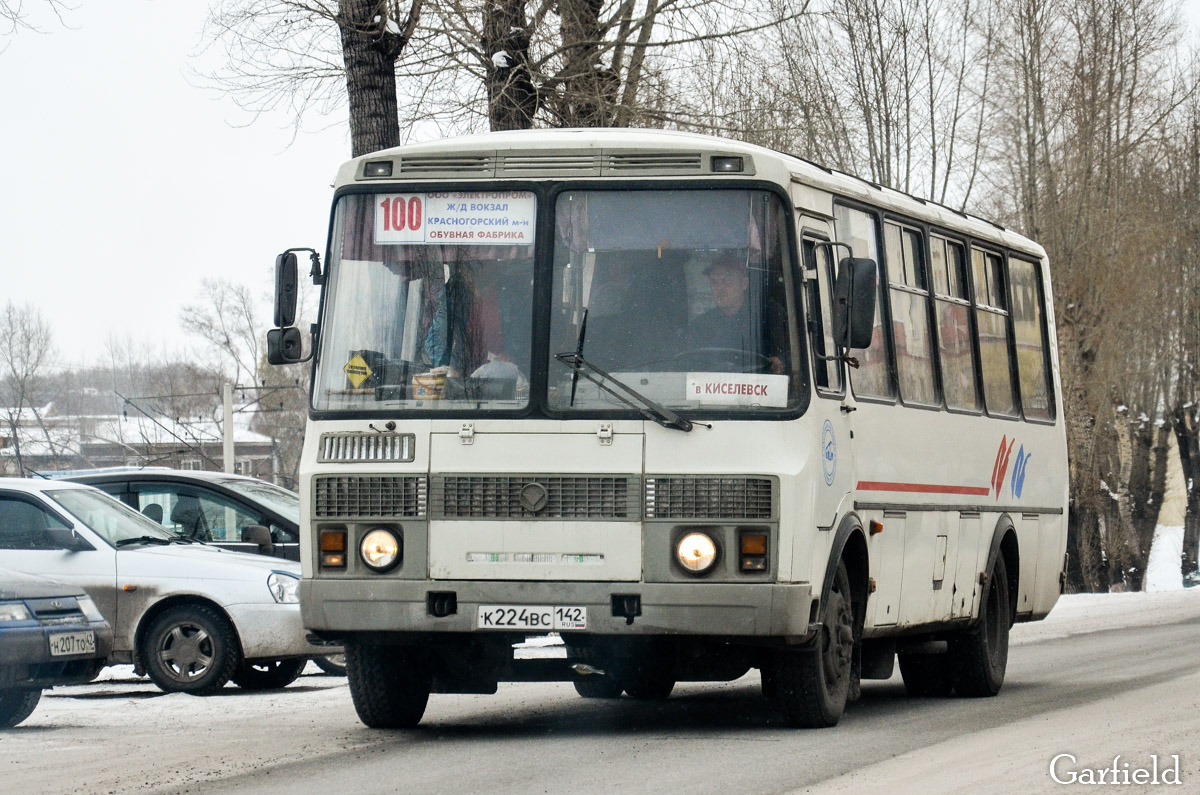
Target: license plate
[(65, 643), (537, 618)]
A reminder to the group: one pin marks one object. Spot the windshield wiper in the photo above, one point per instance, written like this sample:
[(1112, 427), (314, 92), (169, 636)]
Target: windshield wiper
[(124, 542), (648, 408)]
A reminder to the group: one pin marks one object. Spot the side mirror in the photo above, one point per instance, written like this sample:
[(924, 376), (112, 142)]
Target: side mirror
[(284, 346), (286, 281), (66, 538), (257, 534), (854, 296)]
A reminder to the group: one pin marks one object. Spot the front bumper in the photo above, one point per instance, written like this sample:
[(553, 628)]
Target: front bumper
[(25, 659), (760, 610), (271, 631)]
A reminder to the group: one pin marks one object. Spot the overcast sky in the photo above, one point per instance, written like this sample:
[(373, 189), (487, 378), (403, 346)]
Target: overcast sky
[(125, 183)]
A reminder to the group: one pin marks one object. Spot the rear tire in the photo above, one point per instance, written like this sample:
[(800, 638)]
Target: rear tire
[(813, 683), (17, 705), (269, 675), (190, 649), (927, 675), (597, 686), (389, 685), (653, 683), (980, 655)]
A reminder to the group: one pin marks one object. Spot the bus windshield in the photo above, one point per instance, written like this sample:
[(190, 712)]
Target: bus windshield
[(430, 301), (683, 294)]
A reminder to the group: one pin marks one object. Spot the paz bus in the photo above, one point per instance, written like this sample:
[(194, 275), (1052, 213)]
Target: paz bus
[(696, 406)]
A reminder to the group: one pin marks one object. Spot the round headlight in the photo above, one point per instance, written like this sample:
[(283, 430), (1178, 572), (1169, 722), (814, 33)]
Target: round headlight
[(380, 549), (696, 552)]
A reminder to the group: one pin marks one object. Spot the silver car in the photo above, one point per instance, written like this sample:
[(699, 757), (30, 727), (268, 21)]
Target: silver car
[(189, 615)]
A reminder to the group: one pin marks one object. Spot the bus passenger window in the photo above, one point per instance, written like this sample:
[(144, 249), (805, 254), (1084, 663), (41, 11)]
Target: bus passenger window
[(873, 377), (953, 323), (907, 288), (991, 317), (1031, 347)]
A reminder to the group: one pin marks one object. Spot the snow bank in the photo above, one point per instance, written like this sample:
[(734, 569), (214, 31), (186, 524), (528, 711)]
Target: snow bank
[(1162, 569)]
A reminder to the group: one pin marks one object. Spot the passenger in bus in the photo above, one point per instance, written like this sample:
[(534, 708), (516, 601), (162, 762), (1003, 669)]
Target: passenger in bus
[(733, 331)]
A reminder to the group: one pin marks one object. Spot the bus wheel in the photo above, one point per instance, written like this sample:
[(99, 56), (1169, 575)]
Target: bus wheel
[(389, 685), (813, 683), (926, 674), (597, 686), (980, 655)]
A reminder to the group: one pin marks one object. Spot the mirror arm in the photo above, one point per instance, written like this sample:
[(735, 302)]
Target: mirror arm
[(314, 259), (833, 244)]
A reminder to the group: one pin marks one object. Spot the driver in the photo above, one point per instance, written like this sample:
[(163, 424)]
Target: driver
[(730, 327)]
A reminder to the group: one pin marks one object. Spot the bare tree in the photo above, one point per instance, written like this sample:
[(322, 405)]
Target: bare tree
[(26, 346)]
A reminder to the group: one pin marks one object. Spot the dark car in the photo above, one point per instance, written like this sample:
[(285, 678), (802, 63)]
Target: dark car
[(51, 634), (235, 512)]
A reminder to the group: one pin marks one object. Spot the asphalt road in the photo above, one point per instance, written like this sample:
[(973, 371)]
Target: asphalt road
[(1133, 692)]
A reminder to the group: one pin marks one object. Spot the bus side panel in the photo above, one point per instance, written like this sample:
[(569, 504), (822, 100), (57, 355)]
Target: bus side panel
[(971, 551)]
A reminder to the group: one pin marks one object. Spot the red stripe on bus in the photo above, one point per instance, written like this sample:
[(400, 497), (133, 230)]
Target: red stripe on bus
[(923, 488)]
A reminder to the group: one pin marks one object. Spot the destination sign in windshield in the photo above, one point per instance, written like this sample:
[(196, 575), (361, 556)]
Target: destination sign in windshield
[(464, 218)]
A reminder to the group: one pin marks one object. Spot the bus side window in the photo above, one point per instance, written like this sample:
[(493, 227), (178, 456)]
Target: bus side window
[(991, 318), (1030, 332), (820, 317), (909, 294), (873, 378), (954, 323)]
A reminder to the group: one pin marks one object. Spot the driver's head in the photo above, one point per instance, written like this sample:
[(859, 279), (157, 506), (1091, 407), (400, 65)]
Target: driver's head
[(729, 281)]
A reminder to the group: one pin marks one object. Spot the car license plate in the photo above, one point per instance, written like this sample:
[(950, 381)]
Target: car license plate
[(537, 618), (64, 643)]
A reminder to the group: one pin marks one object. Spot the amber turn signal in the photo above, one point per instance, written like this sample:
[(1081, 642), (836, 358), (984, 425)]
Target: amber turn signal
[(333, 549), (752, 545)]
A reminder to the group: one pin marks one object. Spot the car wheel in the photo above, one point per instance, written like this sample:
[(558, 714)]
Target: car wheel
[(17, 705), (813, 683), (190, 649), (597, 686), (980, 655), (333, 664), (389, 685), (268, 675)]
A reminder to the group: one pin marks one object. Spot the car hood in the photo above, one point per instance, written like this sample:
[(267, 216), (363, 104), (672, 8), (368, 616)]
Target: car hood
[(199, 561), (17, 585)]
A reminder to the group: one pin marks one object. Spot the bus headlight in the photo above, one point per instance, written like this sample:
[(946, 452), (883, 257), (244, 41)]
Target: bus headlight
[(696, 552), (380, 549)]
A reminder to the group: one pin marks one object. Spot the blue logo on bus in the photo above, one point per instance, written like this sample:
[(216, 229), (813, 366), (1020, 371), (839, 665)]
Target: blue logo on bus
[(829, 453)]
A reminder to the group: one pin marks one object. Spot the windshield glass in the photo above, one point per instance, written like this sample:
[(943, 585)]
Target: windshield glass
[(429, 302), (280, 500), (111, 519), (684, 296)]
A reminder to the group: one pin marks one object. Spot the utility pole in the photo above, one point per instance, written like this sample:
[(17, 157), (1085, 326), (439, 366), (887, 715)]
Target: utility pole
[(227, 430)]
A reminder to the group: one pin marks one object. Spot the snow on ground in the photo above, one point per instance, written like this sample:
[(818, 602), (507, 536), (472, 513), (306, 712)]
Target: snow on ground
[(1162, 569), (1077, 614)]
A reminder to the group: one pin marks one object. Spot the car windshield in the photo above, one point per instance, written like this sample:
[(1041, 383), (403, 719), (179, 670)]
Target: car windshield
[(429, 302), (679, 295), (109, 518), (278, 499)]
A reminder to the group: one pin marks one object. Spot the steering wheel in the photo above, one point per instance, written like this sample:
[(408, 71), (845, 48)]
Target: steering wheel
[(734, 359)]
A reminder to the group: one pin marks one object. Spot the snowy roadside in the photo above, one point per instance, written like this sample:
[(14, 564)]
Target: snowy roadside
[(1077, 614)]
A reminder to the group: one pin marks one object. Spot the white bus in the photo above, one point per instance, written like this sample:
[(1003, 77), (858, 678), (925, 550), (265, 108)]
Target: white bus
[(695, 406)]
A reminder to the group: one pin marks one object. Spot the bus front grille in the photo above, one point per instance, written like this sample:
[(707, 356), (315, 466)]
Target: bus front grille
[(534, 497), (361, 496), (702, 497)]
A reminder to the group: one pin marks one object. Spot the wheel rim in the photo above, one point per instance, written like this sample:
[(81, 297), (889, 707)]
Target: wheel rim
[(837, 643), (186, 652)]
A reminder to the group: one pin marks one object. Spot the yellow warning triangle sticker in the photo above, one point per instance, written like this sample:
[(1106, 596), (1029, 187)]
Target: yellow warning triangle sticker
[(357, 370)]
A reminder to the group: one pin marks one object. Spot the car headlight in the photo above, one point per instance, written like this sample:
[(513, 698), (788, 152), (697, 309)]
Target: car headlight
[(14, 611), (696, 552), (89, 608), (284, 587), (380, 549)]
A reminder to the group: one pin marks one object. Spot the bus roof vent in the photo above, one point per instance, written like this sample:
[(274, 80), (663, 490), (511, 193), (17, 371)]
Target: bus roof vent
[(652, 163), (547, 163), (439, 165)]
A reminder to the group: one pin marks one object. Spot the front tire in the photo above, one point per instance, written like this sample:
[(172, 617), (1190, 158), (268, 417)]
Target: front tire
[(190, 649), (813, 683), (268, 675), (980, 655), (17, 705), (389, 685)]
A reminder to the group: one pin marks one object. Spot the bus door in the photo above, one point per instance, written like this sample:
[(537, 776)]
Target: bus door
[(832, 411)]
